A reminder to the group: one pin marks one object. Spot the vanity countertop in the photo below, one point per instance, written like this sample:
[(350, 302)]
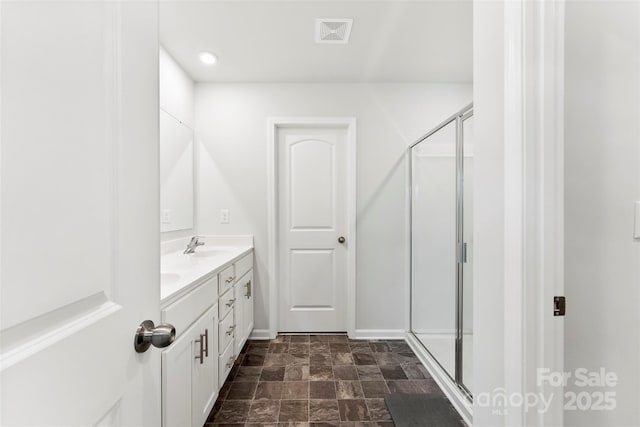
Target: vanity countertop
[(180, 272)]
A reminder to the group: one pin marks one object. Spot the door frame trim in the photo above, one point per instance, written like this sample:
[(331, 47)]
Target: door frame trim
[(273, 124), (533, 203)]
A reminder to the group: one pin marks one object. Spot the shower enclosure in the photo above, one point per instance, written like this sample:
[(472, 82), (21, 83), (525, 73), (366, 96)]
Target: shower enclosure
[(441, 165)]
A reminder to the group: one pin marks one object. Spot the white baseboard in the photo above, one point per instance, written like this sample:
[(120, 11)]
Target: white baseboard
[(260, 334), (360, 334), (379, 334), (440, 331), (449, 388)]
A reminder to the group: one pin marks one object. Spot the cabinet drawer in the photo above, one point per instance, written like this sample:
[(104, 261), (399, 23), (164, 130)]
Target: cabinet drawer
[(227, 302), (225, 363), (226, 331), (227, 278), (244, 264), (187, 309)]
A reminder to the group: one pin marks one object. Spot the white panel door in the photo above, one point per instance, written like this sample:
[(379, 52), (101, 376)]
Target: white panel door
[(79, 225), (312, 217)]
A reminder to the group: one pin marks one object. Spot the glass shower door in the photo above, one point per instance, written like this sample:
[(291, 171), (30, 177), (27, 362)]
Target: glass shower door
[(433, 245), (466, 286), (442, 246)]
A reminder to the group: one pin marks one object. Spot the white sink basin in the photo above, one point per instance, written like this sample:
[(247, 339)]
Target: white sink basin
[(204, 253), (180, 271), (169, 278)]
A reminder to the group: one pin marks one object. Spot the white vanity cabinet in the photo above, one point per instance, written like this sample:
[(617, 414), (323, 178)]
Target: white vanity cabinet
[(227, 324), (212, 311), (235, 310), (238, 315), (204, 378), (243, 291), (226, 335), (189, 365), (244, 309)]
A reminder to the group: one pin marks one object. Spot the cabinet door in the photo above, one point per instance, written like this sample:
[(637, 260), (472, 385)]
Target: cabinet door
[(238, 310), (204, 381), (189, 387), (177, 363), (247, 303)]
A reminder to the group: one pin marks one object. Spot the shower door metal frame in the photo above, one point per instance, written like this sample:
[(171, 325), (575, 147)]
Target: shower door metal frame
[(459, 117)]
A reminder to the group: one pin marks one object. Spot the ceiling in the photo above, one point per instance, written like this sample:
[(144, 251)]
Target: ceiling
[(274, 41)]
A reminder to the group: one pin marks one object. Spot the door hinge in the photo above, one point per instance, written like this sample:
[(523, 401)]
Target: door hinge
[(559, 306)]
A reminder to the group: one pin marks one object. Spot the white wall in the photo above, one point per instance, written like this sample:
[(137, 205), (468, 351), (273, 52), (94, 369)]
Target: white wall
[(232, 167), (177, 93), (602, 173), (488, 96)]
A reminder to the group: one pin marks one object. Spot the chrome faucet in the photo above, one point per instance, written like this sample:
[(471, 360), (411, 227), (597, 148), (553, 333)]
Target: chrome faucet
[(193, 244)]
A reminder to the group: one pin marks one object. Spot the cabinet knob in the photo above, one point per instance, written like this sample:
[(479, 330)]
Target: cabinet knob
[(341, 239), (230, 302)]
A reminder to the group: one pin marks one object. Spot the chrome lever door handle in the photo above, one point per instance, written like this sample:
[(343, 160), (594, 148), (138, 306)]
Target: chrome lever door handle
[(148, 334)]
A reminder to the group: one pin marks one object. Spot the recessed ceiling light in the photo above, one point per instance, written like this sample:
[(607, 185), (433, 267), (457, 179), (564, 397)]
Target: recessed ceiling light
[(208, 58)]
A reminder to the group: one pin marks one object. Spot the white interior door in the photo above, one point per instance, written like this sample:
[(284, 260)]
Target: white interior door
[(312, 218), (80, 230)]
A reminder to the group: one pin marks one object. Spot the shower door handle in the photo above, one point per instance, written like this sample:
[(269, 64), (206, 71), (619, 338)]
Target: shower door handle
[(461, 253)]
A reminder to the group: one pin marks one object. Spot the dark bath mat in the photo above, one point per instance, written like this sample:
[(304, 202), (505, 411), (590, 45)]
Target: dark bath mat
[(422, 410)]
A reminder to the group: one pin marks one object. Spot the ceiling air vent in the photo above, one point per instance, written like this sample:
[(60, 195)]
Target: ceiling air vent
[(333, 30)]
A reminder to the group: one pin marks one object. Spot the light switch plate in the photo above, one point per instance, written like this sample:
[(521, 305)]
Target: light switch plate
[(636, 227)]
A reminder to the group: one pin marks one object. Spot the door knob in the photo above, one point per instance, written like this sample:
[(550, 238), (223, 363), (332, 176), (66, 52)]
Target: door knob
[(341, 239), (148, 334)]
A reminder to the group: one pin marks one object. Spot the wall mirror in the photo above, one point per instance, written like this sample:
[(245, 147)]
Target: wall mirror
[(176, 174)]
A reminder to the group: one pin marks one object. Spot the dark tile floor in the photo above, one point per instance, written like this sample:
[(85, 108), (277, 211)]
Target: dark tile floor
[(318, 380)]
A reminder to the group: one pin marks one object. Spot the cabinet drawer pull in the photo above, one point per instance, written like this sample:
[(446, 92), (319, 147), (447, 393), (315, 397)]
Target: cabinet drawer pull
[(230, 362), (231, 329), (248, 285), (230, 279), (206, 347), (230, 302), (201, 342)]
